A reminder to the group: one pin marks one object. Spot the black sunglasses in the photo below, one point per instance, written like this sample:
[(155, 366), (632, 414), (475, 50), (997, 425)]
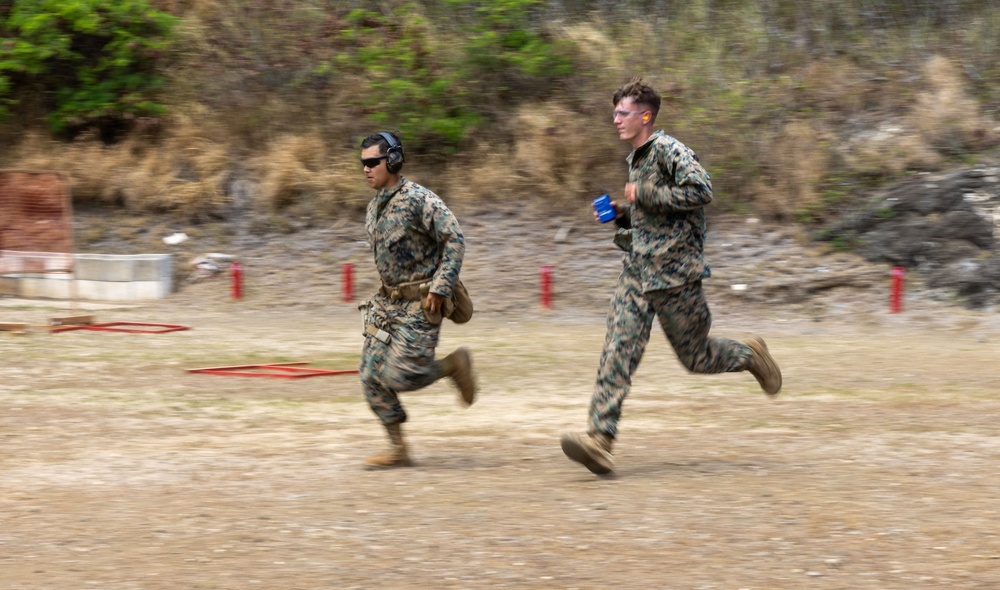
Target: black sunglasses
[(372, 162)]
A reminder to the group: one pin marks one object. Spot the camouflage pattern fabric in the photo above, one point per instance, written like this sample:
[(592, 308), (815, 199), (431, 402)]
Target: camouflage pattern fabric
[(413, 236), (663, 236), (668, 219), (685, 319), (405, 363), (630, 318)]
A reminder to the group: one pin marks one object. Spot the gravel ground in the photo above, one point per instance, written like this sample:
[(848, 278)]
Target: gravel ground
[(753, 264), (875, 467)]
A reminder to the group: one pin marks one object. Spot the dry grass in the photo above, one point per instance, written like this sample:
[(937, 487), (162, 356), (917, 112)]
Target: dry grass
[(801, 157), (486, 175), (877, 128), (603, 53), (556, 152), (941, 120), (187, 173), (290, 170), (846, 90), (770, 116), (87, 164), (889, 149), (947, 117), (298, 171), (557, 156), (183, 171)]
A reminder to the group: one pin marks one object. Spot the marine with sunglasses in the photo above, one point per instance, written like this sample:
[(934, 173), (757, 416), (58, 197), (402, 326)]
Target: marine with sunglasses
[(418, 248), (662, 230)]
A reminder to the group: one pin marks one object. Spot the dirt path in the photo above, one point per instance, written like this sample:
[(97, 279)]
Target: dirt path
[(875, 468)]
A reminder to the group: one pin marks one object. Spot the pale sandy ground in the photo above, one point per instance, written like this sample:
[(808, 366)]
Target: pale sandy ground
[(875, 468)]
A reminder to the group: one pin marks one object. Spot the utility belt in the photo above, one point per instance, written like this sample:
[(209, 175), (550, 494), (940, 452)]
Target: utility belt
[(409, 291), (457, 308)]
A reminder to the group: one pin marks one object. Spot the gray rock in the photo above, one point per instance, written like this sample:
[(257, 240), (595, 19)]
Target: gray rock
[(946, 228)]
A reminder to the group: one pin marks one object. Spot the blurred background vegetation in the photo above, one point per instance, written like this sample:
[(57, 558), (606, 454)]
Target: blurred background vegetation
[(208, 108)]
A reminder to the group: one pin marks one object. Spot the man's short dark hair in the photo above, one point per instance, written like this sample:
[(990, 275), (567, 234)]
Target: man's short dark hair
[(640, 93), (377, 139)]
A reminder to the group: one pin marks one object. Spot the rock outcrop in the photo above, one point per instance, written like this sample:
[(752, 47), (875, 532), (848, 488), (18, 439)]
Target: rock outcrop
[(946, 227)]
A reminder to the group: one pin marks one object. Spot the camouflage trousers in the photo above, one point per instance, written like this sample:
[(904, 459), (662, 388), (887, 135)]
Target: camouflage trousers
[(685, 318), (405, 363)]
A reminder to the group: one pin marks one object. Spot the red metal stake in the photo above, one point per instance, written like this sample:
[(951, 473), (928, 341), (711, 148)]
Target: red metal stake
[(896, 296), (236, 269), (546, 287), (347, 277)]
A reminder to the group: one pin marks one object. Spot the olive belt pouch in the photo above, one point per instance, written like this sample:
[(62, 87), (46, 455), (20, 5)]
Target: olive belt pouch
[(457, 308)]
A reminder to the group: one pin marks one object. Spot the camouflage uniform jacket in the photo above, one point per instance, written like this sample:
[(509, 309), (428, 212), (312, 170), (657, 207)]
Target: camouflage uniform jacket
[(414, 236), (667, 219)]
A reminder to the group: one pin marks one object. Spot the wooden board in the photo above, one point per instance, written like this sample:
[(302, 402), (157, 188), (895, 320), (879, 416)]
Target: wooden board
[(73, 320)]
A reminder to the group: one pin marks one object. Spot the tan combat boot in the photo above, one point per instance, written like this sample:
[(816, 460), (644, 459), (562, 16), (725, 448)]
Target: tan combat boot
[(458, 366), (763, 367), (397, 455), (592, 450)]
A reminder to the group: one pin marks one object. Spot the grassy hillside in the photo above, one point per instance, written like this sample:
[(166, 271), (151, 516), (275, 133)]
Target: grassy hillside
[(792, 105)]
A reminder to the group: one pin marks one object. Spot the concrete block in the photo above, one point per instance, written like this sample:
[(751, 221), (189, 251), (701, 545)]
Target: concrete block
[(14, 261), (45, 286), (102, 277), (8, 286), (104, 267), (99, 290), (88, 267), (142, 290), (152, 268)]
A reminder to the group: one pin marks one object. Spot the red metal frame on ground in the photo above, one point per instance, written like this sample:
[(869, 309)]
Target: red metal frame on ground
[(281, 370), (112, 327)]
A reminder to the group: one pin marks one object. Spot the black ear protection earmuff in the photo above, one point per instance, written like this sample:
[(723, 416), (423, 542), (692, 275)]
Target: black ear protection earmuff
[(394, 154)]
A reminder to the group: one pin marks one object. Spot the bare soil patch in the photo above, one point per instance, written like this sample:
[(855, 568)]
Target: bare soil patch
[(875, 467)]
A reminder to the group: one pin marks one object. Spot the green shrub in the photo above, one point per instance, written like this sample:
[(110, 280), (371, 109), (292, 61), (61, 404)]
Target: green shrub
[(436, 91), (92, 62), (411, 86), (509, 50)]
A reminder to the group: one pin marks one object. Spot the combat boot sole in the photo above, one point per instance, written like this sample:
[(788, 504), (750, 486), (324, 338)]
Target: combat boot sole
[(763, 367), (388, 461), (463, 376), (583, 450)]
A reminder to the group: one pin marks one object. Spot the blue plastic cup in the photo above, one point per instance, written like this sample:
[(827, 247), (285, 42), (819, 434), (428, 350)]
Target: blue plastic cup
[(605, 212)]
